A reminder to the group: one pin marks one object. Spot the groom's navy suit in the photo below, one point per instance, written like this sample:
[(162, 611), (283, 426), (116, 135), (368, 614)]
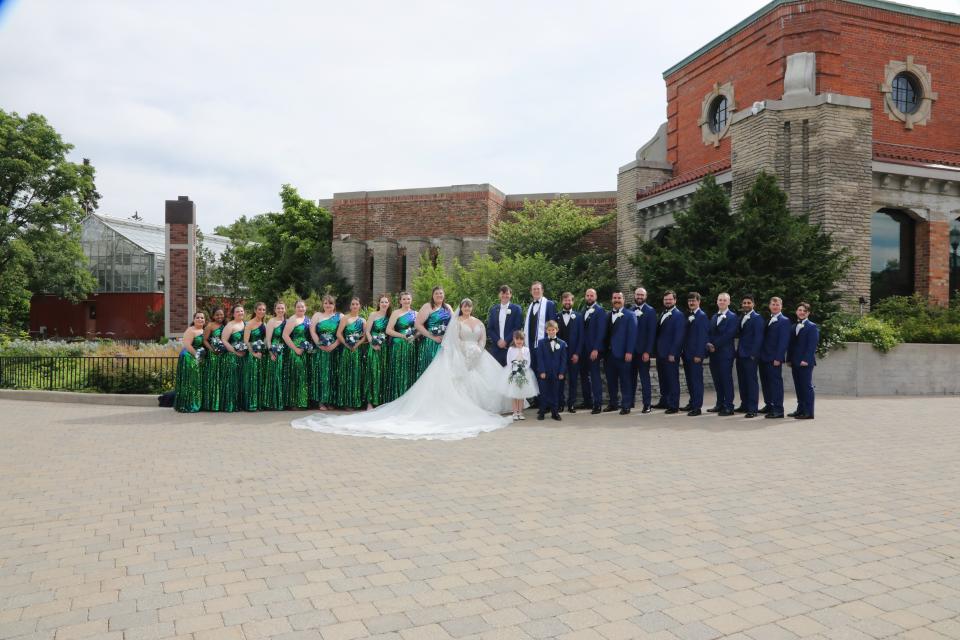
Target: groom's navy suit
[(570, 330), (695, 346), (513, 322), (646, 337), (673, 325), (776, 340), (748, 348), (721, 335), (553, 364), (621, 340), (594, 336)]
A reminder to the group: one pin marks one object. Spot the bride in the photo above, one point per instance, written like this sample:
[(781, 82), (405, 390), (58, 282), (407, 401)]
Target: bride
[(456, 397)]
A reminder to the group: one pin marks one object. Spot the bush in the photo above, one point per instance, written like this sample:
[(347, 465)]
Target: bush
[(881, 334), (919, 321), (119, 381), (926, 331)]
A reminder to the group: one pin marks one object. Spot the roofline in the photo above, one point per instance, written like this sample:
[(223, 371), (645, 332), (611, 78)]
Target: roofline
[(775, 4)]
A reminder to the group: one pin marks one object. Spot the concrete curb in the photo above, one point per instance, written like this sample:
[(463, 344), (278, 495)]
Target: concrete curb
[(115, 399)]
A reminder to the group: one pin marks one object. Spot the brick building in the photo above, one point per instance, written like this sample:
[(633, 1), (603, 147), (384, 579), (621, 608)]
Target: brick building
[(853, 104)]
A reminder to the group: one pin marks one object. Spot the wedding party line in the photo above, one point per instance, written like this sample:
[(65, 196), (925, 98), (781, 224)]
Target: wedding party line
[(548, 354)]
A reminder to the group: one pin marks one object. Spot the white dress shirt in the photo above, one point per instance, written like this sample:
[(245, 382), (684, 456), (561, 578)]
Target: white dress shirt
[(504, 310)]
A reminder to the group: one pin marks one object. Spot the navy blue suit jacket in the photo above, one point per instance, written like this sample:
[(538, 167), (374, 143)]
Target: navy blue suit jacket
[(514, 322), (803, 345), (572, 332), (776, 339), (721, 337), (594, 329), (622, 333), (646, 330), (751, 336), (670, 334), (695, 338), (551, 362)]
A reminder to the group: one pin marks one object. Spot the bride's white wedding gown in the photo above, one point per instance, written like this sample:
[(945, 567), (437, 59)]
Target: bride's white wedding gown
[(456, 397)]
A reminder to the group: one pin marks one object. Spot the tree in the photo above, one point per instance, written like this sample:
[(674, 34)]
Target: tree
[(288, 249), (43, 199), (554, 229), (763, 249)]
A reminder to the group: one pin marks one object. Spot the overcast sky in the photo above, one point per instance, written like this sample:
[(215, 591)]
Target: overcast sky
[(226, 101)]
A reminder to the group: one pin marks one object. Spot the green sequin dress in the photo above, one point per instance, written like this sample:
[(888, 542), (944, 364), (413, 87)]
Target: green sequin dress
[(251, 383), (189, 391), (401, 360), (427, 349), (350, 369), (296, 365), (323, 365), (376, 362), (231, 372), (275, 383), (210, 375)]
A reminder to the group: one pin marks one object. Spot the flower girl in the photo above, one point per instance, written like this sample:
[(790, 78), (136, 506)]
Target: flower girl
[(521, 383)]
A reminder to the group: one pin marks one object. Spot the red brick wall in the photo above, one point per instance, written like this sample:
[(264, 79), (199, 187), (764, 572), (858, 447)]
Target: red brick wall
[(437, 214), (119, 316), (932, 261), (853, 44), (179, 282)]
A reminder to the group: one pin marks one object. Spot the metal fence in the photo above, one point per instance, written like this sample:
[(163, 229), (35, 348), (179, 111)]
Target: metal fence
[(105, 374)]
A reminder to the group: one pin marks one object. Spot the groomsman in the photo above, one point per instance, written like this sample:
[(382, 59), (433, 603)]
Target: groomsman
[(591, 351), (540, 311), (802, 357), (748, 348), (776, 339), (552, 355), (723, 330), (643, 348), (570, 325), (694, 351), (502, 321), (621, 340), (670, 333)]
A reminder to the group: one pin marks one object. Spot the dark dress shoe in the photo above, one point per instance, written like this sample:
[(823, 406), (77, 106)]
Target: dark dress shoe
[(660, 405), (571, 410), (647, 409), (725, 412), (793, 414), (556, 416), (766, 409), (686, 407), (534, 403), (610, 408), (583, 405), (671, 411), (773, 415), (624, 412), (539, 416), (595, 411), (694, 412), (714, 410), (740, 409), (750, 415), (802, 416)]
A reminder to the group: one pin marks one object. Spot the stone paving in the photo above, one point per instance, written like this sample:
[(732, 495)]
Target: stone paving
[(129, 523)]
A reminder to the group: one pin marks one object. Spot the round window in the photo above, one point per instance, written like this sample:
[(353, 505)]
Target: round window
[(718, 114), (906, 92)]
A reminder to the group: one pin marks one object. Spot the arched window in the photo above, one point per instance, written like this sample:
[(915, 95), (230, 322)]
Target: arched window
[(891, 254), (954, 257), (906, 92), (718, 114)]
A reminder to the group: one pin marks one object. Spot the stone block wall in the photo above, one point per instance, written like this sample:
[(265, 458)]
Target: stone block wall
[(639, 174)]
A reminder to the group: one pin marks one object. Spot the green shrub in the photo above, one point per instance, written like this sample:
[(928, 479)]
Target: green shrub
[(930, 332), (106, 380), (881, 334)]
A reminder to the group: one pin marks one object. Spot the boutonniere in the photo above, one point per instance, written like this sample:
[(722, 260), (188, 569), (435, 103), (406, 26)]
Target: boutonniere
[(589, 311), (554, 346), (639, 312), (573, 314), (691, 317), (617, 315), (509, 311)]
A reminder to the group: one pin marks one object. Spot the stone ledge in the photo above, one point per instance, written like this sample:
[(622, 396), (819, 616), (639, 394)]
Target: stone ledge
[(115, 399)]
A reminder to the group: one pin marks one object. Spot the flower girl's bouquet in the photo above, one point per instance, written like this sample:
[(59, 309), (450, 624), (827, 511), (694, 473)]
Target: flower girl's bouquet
[(518, 373)]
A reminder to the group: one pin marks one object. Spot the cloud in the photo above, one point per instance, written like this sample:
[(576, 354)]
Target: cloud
[(225, 101)]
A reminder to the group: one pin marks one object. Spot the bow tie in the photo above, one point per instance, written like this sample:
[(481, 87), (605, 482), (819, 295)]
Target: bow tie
[(566, 312)]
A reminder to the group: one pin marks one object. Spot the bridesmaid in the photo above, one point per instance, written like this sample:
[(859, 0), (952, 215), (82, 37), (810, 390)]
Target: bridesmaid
[(188, 387), (210, 377), (296, 337), (251, 385), (432, 321), (231, 363), (323, 363), (377, 351), (275, 387), (401, 359), (351, 363)]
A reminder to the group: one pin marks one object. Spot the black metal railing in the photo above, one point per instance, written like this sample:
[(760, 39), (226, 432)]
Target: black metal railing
[(104, 374)]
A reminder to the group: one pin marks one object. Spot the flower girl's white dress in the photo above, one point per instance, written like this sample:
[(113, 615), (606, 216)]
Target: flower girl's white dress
[(519, 380)]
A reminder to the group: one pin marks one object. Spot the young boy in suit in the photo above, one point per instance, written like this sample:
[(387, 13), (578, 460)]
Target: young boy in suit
[(552, 370)]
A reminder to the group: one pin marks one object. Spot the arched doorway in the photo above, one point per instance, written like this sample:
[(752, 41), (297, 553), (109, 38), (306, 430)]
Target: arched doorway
[(891, 254), (954, 257)]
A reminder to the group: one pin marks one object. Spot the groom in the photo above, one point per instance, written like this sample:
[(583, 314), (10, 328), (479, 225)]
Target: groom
[(540, 311)]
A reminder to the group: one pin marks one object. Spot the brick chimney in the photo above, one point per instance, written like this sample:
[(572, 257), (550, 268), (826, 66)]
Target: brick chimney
[(180, 268)]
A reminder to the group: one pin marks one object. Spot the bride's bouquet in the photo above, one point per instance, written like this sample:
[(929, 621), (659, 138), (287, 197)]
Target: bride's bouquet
[(518, 373)]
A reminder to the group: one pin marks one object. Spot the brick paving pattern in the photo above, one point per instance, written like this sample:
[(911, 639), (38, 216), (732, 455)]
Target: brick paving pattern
[(128, 523)]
